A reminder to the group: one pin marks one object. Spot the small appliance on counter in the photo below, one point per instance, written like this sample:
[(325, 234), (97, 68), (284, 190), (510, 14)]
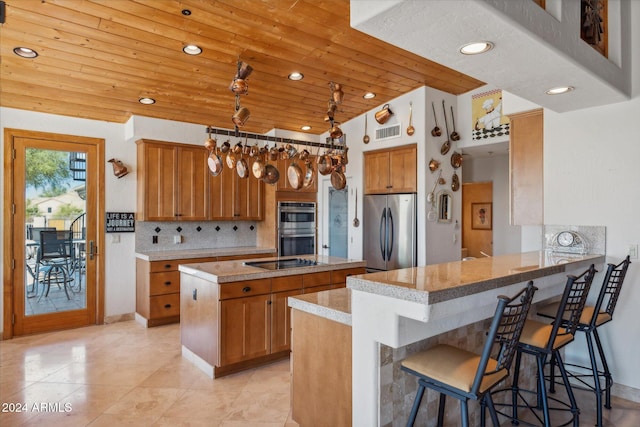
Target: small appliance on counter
[(296, 228), (389, 229)]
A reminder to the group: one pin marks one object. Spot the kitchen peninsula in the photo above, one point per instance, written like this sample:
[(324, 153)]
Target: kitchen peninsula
[(234, 314), (385, 316)]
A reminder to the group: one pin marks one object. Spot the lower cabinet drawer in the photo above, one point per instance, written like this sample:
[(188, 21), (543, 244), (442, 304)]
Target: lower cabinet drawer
[(247, 288), (164, 305), (164, 283)]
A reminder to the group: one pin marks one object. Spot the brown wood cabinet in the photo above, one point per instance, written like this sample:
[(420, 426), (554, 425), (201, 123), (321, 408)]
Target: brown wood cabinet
[(173, 181), (252, 324), (158, 287), (526, 168), (391, 170), (283, 182), (235, 198)]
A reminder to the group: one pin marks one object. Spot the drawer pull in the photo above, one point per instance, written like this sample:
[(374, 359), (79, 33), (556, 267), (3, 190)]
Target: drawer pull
[(167, 266), (167, 306), (246, 289), (167, 283)]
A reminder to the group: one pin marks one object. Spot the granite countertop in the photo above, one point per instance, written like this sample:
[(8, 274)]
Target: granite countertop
[(235, 270), (333, 305), (441, 282), (162, 255)]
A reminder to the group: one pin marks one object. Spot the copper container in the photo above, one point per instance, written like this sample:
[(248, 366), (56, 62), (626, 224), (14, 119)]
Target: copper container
[(241, 116)]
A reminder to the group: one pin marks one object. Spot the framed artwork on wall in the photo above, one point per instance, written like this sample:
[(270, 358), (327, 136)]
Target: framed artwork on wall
[(481, 216), (487, 120)]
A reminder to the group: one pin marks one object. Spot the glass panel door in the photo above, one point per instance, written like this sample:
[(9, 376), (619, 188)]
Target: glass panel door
[(55, 230), (338, 222), (55, 181)]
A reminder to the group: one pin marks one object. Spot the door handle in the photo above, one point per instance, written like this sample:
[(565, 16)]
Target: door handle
[(92, 249), (390, 241), (325, 246), (383, 233)]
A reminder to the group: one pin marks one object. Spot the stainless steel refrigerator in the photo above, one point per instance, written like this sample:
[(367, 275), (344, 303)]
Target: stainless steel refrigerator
[(389, 228)]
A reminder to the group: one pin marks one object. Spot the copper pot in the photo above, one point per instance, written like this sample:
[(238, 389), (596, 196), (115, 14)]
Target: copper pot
[(271, 175), (210, 144), (338, 180), (241, 116), (337, 94), (335, 132), (215, 163), (258, 168), (294, 175), (239, 86), (226, 146), (309, 175), (383, 115)]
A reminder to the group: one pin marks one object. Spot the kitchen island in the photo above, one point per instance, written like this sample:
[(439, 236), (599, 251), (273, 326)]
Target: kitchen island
[(392, 314), (158, 278), (234, 314)]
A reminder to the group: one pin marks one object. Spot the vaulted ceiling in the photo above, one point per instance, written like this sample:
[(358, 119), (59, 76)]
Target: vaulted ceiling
[(97, 58)]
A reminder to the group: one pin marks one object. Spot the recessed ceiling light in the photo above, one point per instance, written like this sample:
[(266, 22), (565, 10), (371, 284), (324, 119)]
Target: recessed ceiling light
[(559, 90), (25, 52), (306, 127), (186, 12), (192, 49), (369, 95), (295, 76), (475, 48), (146, 101)]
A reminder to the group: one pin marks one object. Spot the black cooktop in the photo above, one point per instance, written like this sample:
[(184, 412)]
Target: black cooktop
[(281, 264)]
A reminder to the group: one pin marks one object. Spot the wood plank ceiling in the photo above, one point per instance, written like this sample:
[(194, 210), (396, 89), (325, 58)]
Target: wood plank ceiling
[(97, 58)]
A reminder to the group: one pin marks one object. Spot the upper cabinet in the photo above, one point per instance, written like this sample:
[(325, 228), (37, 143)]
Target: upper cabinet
[(173, 181), (526, 168), (235, 198), (283, 183), (391, 170)]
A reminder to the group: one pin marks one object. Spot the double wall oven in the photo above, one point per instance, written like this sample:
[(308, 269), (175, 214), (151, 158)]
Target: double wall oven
[(296, 228)]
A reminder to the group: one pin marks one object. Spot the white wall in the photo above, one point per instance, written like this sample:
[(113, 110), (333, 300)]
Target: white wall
[(441, 246), (120, 195), (495, 168)]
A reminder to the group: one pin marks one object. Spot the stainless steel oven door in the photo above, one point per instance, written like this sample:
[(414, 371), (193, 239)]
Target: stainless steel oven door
[(296, 244), (296, 216)]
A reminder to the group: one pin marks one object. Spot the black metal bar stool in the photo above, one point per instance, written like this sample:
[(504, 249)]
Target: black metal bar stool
[(543, 340), (465, 375), (592, 317)]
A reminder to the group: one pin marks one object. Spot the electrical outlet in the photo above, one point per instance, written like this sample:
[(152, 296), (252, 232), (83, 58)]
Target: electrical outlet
[(115, 238), (177, 239), (154, 240), (633, 251)]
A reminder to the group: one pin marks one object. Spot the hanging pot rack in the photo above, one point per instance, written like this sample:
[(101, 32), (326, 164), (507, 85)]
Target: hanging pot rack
[(338, 143)]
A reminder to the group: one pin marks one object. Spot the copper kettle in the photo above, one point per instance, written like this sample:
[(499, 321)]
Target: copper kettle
[(383, 115)]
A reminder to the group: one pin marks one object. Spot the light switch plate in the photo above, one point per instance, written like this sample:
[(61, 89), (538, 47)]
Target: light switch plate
[(633, 251)]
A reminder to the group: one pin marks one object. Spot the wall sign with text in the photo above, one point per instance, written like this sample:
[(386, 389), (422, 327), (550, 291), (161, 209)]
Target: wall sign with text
[(120, 222)]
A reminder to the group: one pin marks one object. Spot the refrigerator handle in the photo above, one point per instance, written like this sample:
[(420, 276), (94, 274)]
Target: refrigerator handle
[(390, 231), (383, 220)]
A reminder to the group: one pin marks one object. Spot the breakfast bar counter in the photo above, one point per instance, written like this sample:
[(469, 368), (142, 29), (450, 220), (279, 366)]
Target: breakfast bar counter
[(390, 310)]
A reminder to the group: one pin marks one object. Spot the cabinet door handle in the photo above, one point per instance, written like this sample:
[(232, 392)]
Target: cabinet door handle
[(246, 289), (167, 283), (167, 306)]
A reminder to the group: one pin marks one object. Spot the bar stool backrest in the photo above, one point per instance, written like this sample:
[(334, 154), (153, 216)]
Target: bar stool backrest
[(611, 287), (571, 305), (504, 333)]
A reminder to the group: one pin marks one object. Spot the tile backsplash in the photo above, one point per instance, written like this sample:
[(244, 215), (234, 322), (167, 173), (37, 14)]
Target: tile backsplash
[(594, 236), (194, 235)]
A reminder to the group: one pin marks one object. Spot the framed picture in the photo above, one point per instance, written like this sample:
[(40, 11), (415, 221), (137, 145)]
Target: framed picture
[(481, 216), (487, 120)]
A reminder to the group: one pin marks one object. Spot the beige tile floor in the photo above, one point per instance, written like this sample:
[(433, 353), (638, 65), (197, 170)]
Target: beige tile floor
[(126, 375), (123, 374)]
